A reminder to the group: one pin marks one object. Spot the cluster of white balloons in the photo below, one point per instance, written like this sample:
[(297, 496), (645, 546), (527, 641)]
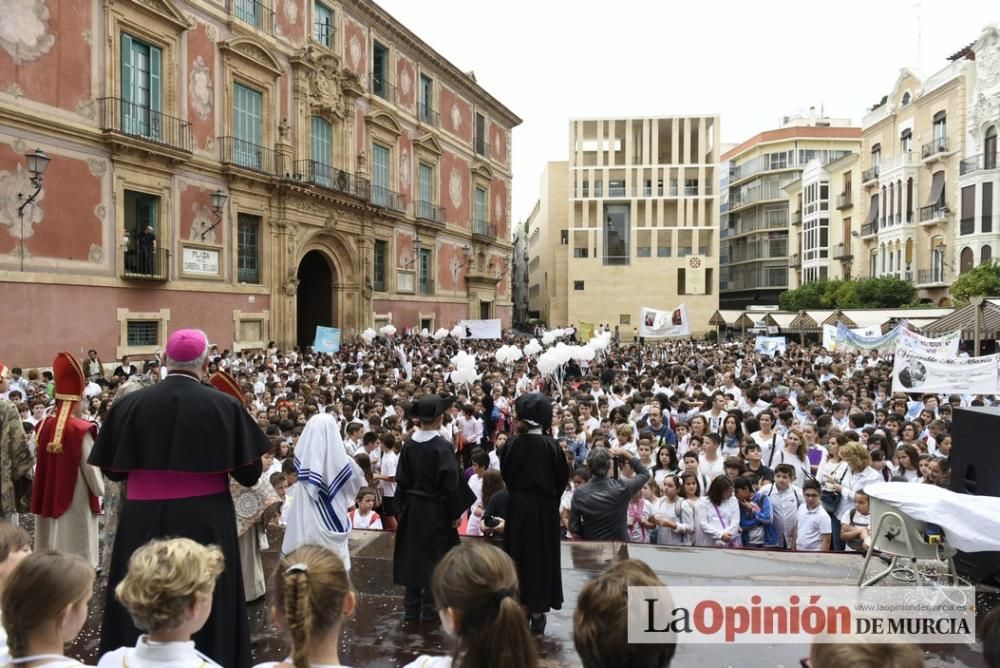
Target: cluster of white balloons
[(368, 335), (600, 343), (549, 337), (465, 368), (532, 348), (441, 334), (387, 330), (457, 332), (508, 354)]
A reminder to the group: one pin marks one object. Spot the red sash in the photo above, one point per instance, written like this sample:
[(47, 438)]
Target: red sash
[(55, 473)]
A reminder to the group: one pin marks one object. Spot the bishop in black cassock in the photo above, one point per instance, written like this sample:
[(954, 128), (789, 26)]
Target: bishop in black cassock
[(176, 443)]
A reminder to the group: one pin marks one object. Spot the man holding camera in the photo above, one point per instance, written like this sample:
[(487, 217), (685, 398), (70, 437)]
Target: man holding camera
[(598, 508)]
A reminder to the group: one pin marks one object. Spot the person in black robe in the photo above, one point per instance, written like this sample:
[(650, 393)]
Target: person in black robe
[(177, 443), (535, 472), (432, 494)]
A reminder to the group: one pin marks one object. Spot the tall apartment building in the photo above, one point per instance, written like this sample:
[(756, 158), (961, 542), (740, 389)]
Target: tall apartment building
[(978, 233), (825, 228), (914, 140), (756, 227), (299, 162), (630, 220)]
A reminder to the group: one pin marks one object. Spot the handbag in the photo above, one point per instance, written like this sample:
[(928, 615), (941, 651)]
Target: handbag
[(831, 499)]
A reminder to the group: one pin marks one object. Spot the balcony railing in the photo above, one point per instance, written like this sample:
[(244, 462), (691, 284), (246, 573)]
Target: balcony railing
[(429, 212), (141, 263), (978, 163), (933, 148), (845, 200), (869, 230), (253, 13), (386, 199), (427, 115), (794, 261), (928, 276), (797, 218), (383, 89), (134, 120), (933, 213), (842, 252), (325, 176), (869, 174), (234, 151), (483, 148), (484, 229)]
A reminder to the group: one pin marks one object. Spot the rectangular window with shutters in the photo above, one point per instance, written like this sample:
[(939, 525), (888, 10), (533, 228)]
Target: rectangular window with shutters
[(248, 106), (380, 175), (426, 100), (379, 264), (480, 139), (380, 70), (987, 208), (321, 151), (425, 184), (480, 212), (426, 280), (968, 222), (248, 248), (323, 30), (141, 96)]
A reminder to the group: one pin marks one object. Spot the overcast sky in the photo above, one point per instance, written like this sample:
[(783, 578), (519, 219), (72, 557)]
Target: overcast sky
[(750, 62)]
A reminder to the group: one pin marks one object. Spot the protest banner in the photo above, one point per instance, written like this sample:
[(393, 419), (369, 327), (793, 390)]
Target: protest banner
[(655, 324), (770, 345), (327, 340), (943, 346), (917, 372), (481, 329)]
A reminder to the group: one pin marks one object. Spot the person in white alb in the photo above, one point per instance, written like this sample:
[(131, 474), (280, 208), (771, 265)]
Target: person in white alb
[(813, 526)]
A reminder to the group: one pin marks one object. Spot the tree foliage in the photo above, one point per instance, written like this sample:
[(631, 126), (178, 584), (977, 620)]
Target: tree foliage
[(982, 281), (885, 292)]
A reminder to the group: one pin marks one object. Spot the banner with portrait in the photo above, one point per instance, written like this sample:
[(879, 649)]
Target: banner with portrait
[(481, 329), (917, 372), (770, 345), (942, 346), (654, 323)]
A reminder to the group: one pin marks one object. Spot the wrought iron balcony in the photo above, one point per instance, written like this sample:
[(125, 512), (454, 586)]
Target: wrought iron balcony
[(425, 285), (842, 252), (428, 115), (235, 151), (869, 230), (845, 200), (387, 199), (870, 175), (930, 276), (142, 123), (331, 178), (483, 228), (429, 212), (383, 89), (935, 213), (934, 148), (978, 163), (139, 263), (253, 13)]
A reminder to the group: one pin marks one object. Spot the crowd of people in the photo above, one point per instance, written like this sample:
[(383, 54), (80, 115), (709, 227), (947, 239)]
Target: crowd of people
[(674, 443)]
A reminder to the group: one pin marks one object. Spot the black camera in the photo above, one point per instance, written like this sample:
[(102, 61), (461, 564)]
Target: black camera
[(490, 521)]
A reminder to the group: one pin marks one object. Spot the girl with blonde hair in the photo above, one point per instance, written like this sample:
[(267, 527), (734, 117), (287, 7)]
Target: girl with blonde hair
[(168, 592)]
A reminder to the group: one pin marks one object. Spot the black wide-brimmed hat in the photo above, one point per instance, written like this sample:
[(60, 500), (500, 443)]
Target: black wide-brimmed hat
[(429, 407), (534, 408)]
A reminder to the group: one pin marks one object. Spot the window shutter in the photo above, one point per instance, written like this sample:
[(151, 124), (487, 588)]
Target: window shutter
[(128, 81), (155, 86)]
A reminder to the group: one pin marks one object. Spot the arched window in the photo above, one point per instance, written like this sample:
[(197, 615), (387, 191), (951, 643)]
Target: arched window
[(965, 260), (906, 98), (990, 148), (985, 254)]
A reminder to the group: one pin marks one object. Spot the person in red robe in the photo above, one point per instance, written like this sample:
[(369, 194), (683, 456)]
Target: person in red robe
[(65, 497)]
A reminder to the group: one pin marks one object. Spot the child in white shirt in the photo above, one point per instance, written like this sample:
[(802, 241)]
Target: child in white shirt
[(387, 481), (480, 464), (170, 610), (363, 517)]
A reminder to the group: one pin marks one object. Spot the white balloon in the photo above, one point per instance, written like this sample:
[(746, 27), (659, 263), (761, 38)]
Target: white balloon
[(533, 347), (388, 330), (458, 332), (424, 333), (368, 335), (440, 334), (548, 339)]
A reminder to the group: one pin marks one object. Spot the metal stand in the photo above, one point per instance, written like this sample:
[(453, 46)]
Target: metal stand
[(905, 550)]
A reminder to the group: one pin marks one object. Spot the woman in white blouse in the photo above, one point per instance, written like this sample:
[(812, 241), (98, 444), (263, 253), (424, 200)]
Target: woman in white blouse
[(673, 516), (770, 441), (859, 460), (795, 455), (719, 516)]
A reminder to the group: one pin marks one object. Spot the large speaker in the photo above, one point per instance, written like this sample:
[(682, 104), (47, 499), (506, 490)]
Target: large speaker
[(975, 469)]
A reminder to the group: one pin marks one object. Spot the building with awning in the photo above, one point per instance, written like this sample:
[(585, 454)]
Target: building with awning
[(883, 318), (964, 319)]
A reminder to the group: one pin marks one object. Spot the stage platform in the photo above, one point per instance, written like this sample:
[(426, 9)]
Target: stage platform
[(377, 635)]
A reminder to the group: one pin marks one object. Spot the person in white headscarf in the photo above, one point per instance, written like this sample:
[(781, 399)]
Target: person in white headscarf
[(329, 479)]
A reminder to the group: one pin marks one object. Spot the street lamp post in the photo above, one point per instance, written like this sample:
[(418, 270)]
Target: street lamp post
[(218, 202), (38, 162)]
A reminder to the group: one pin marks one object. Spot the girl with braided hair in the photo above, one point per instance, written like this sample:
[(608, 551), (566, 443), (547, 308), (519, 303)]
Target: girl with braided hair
[(475, 588), (313, 597), (44, 605)]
